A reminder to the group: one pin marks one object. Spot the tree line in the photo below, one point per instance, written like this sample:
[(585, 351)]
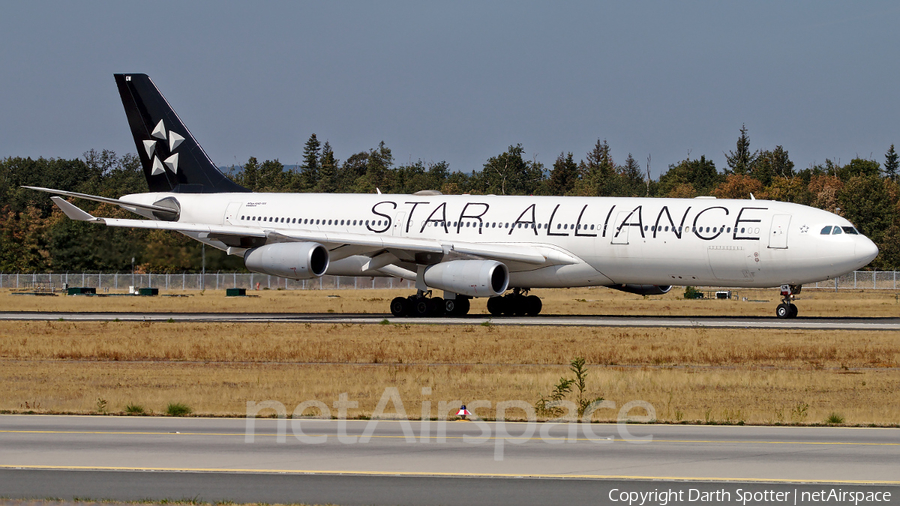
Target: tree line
[(35, 236)]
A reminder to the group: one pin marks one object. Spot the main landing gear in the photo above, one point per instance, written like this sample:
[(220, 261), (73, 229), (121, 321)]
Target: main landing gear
[(517, 303), (422, 304), (787, 309)]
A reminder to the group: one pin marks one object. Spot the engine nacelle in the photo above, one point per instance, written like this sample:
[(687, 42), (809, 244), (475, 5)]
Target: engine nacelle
[(292, 260), (475, 278), (642, 289)]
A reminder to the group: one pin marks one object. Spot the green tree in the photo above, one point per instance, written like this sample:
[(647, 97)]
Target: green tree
[(858, 167), (741, 159), (563, 176), (891, 163), (327, 182), (509, 174), (351, 171), (378, 175), (271, 177), (698, 174), (867, 201), (629, 180), (771, 164), (309, 170), (596, 171)]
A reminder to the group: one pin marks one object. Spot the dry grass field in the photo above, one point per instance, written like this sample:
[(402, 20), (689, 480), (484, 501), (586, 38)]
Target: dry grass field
[(687, 374), (588, 301)]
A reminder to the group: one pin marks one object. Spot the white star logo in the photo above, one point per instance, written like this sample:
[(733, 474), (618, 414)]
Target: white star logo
[(174, 140)]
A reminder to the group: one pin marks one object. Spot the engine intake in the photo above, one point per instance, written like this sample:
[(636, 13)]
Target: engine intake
[(475, 278), (292, 260), (642, 289)]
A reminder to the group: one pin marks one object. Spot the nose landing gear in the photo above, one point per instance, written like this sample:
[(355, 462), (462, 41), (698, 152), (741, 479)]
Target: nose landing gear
[(787, 309)]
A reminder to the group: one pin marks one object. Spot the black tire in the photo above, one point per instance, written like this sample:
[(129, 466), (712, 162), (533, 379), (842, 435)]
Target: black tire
[(793, 311), (510, 302), (421, 307), (783, 311), (450, 307), (462, 307), (533, 305), (436, 306), (495, 305), (399, 307), (518, 306)]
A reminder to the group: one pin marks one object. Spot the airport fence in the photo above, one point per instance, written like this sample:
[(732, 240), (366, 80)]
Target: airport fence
[(118, 281)]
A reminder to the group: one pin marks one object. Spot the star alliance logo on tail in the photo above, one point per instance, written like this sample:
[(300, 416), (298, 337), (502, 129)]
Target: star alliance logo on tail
[(174, 140)]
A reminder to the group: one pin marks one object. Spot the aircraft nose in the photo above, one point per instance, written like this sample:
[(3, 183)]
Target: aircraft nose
[(865, 250)]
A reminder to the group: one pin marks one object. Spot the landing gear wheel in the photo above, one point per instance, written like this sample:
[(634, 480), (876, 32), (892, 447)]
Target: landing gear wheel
[(496, 305), (456, 307), (421, 307), (462, 307), (399, 307), (533, 305), (787, 309), (436, 306), (783, 311)]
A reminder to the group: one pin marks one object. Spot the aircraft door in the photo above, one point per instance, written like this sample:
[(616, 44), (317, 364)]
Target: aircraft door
[(778, 233), (619, 232), (399, 223), (231, 214)]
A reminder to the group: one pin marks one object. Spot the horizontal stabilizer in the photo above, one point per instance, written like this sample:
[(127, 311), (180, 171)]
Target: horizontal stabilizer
[(71, 210), (106, 200)]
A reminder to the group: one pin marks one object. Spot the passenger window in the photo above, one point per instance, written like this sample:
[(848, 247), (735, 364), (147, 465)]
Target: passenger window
[(592, 227), (836, 231)]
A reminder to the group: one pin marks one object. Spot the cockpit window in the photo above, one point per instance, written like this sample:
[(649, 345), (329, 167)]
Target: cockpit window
[(826, 230), (850, 230), (836, 231)]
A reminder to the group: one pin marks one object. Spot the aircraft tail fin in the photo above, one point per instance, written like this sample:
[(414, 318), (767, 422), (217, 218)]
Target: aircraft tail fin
[(172, 159)]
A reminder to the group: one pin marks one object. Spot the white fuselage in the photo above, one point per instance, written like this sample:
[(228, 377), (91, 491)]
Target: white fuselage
[(702, 241)]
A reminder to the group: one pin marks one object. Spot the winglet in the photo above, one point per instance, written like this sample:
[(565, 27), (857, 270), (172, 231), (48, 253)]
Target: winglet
[(71, 210)]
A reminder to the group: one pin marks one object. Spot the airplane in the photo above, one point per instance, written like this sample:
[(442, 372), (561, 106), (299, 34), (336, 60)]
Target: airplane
[(500, 247)]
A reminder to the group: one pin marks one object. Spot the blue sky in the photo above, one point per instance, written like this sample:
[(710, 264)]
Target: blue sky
[(460, 81)]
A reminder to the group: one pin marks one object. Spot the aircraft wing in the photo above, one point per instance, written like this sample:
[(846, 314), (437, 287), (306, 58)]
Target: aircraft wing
[(340, 244)]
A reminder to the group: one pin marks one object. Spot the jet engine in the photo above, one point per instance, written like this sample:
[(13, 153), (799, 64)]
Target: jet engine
[(475, 278), (642, 289), (292, 260)]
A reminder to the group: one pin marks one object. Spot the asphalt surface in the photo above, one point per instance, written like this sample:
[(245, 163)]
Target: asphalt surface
[(399, 462), (811, 323)]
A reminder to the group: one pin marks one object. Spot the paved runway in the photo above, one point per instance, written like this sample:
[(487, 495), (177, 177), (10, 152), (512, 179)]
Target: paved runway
[(811, 323), (398, 462)]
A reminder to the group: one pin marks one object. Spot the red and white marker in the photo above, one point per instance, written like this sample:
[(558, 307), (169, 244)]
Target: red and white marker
[(463, 412)]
